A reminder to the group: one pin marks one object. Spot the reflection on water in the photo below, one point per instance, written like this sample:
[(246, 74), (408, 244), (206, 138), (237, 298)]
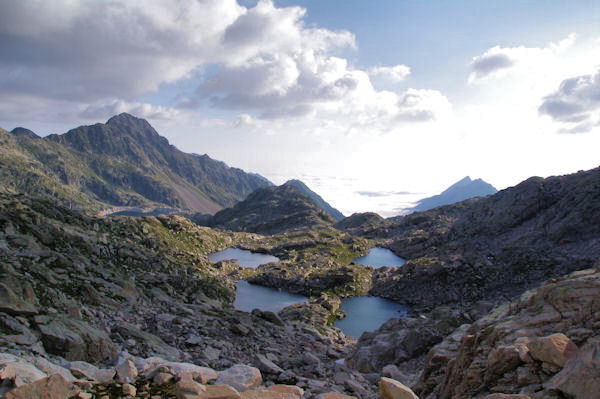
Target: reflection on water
[(249, 296), (379, 257), (367, 313), (242, 257)]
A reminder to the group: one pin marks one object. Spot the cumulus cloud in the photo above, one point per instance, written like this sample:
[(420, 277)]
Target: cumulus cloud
[(106, 110), (576, 103), (498, 61), (264, 61), (395, 73)]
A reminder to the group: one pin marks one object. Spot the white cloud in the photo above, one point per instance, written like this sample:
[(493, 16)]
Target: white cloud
[(576, 103), (395, 73), (265, 61), (498, 61), (107, 109)]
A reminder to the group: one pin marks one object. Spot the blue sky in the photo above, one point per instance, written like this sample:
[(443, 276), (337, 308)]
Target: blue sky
[(349, 96)]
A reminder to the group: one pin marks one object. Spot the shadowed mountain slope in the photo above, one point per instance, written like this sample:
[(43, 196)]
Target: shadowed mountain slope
[(320, 202), (123, 162), (272, 210)]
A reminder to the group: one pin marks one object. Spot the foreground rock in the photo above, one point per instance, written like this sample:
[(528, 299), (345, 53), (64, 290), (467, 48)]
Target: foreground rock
[(517, 350)]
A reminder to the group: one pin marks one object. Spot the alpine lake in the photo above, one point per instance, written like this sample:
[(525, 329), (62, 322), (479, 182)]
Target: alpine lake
[(363, 313)]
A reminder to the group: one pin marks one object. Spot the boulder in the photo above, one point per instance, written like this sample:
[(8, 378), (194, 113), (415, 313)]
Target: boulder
[(555, 349), (51, 368), (392, 389), (507, 396), (266, 394), (580, 377), (10, 303), (91, 372), (53, 387), (126, 371), (76, 340), (188, 389), (267, 366), (219, 392), (19, 371), (241, 377)]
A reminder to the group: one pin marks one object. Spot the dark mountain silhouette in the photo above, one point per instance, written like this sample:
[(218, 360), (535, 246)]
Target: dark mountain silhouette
[(320, 202)]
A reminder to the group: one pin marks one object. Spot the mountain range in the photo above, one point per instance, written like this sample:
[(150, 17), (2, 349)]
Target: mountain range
[(123, 162)]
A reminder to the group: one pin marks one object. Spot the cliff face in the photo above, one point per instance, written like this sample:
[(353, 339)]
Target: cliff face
[(544, 345)]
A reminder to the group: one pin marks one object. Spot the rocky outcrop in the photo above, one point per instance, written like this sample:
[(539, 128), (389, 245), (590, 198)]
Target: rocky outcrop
[(272, 210), (493, 247), (320, 202), (544, 345), (154, 377)]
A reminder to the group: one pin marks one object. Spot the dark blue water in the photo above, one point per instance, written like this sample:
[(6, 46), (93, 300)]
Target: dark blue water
[(367, 313), (242, 257), (249, 296), (379, 257)]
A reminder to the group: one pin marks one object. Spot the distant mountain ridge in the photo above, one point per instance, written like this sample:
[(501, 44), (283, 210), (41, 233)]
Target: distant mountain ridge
[(123, 162), (459, 191), (320, 202)]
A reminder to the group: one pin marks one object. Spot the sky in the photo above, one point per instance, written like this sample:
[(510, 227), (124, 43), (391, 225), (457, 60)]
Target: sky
[(373, 105)]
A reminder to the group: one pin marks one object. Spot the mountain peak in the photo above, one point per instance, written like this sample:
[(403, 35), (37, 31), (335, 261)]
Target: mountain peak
[(463, 189), (24, 132), (318, 200)]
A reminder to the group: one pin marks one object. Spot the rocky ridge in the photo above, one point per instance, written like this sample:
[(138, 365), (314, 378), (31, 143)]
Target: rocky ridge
[(123, 162)]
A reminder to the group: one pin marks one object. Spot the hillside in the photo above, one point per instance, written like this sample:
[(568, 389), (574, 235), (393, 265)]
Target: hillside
[(459, 191), (320, 202), (124, 162), (493, 247), (272, 210)]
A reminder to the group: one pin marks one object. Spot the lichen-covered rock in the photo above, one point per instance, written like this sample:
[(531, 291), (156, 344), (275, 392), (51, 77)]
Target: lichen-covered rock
[(555, 349)]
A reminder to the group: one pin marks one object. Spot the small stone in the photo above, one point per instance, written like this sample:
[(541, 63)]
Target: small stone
[(309, 358), (188, 388), (334, 395), (129, 390), (287, 389), (91, 372), (162, 378), (392, 389), (126, 371), (267, 366), (240, 329), (219, 392)]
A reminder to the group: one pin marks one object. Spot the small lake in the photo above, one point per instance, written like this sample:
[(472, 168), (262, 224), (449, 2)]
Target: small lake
[(249, 296), (242, 257), (379, 257), (367, 313)]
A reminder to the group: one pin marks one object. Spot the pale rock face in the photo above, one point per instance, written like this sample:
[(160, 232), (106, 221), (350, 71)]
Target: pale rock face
[(392, 389), (126, 371)]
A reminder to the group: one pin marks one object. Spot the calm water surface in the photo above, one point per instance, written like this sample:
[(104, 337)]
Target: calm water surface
[(249, 296), (242, 257), (379, 257), (367, 313)]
